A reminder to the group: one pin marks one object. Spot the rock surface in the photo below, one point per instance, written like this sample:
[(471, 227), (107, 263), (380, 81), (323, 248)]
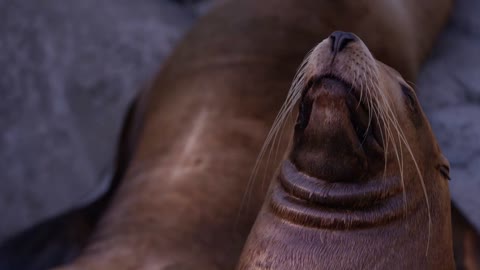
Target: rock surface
[(449, 90), (70, 68)]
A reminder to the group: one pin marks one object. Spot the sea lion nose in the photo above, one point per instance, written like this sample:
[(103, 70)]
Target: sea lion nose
[(340, 40)]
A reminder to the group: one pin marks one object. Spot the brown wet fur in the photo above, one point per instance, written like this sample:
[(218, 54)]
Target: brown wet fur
[(206, 117)]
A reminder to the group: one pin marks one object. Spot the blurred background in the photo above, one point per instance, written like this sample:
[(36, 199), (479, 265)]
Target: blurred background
[(70, 68)]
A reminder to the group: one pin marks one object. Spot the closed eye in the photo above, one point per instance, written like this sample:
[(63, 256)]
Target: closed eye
[(410, 97), (445, 171)]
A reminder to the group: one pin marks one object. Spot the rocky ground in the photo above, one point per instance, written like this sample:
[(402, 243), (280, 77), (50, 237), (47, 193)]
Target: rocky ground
[(449, 90), (69, 69)]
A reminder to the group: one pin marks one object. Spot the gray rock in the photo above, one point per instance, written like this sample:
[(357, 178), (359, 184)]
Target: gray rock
[(449, 90), (69, 69)]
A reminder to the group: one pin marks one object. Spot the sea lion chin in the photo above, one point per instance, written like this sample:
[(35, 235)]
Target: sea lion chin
[(364, 173)]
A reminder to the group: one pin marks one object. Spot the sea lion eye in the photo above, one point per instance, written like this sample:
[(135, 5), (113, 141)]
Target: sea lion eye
[(445, 171), (410, 96)]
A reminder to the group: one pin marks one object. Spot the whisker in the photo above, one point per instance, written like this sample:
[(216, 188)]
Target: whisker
[(293, 95)]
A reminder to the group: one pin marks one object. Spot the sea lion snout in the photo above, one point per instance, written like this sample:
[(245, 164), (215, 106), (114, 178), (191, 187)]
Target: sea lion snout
[(340, 40), (336, 132)]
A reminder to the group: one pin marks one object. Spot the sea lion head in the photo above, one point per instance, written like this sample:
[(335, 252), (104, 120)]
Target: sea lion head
[(363, 152), (364, 184)]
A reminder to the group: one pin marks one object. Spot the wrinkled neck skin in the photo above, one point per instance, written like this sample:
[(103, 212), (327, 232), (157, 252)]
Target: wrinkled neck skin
[(206, 118), (291, 233)]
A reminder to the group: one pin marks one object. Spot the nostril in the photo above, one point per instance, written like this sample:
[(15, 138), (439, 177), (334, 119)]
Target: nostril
[(333, 39), (340, 40)]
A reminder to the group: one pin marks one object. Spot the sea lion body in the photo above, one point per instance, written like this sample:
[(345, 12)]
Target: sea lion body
[(206, 117), (365, 185)]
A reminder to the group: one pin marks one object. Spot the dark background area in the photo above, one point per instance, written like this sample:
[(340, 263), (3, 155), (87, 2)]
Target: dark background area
[(70, 68)]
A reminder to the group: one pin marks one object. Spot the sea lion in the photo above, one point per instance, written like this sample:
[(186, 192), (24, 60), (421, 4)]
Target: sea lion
[(365, 185), (208, 113)]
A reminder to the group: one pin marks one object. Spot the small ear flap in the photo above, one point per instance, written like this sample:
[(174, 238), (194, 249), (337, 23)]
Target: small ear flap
[(444, 167)]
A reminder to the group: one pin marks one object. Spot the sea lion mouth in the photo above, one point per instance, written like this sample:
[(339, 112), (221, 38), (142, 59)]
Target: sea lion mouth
[(313, 202), (363, 122), (335, 136)]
